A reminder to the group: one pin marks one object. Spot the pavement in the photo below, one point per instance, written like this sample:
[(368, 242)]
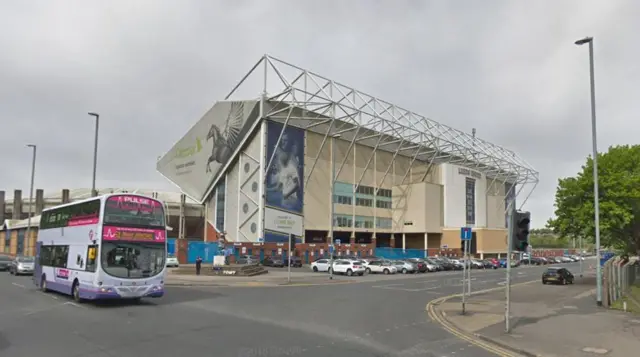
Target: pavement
[(547, 320), (375, 315)]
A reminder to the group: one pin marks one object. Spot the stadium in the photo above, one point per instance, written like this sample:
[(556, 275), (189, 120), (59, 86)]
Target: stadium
[(290, 152)]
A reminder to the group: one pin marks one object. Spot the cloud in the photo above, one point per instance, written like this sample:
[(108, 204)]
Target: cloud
[(152, 68)]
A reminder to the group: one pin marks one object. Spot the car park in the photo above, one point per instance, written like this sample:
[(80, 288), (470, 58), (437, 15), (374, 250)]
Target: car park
[(557, 275)]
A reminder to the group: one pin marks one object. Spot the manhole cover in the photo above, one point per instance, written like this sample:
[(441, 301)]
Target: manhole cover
[(600, 351)]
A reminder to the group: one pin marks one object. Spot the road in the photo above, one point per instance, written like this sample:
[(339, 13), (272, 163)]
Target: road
[(379, 316)]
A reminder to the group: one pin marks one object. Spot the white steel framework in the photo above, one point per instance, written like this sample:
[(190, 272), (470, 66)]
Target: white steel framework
[(328, 101), (301, 98)]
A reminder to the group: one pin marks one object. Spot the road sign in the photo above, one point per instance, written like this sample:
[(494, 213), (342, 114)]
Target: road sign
[(337, 241), (331, 249), (260, 240), (465, 233)]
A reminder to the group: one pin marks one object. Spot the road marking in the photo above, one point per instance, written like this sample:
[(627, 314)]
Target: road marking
[(74, 305), (463, 334), (19, 285)]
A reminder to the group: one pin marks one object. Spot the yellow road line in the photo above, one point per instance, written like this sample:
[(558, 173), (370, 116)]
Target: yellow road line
[(452, 329)]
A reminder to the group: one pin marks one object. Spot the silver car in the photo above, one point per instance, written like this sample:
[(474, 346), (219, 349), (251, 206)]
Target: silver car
[(404, 266), (22, 265)]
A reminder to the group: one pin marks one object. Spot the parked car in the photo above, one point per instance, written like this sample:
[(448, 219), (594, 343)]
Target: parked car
[(491, 263), (380, 267), (458, 263), (405, 266), (544, 260), (22, 265), (421, 265), (479, 264), (348, 267), (273, 261), (296, 262), (567, 259), (5, 262), (446, 264), (435, 264), (557, 275), (172, 261), (247, 260), (320, 265)]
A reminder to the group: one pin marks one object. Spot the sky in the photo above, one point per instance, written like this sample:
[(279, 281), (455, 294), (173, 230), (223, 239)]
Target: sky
[(151, 69)]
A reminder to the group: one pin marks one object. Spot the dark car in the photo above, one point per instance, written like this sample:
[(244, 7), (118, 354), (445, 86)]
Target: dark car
[(446, 265), (276, 261), (491, 263), (295, 262), (557, 275), (5, 262), (420, 264)]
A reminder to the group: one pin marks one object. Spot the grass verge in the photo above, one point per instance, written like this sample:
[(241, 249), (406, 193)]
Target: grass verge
[(632, 299)]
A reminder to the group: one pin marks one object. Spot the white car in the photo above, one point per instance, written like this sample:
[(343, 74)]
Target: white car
[(380, 267), (320, 265), (172, 261), (348, 267)]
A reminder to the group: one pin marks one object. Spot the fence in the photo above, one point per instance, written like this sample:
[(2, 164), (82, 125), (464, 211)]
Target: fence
[(619, 276), (398, 253)]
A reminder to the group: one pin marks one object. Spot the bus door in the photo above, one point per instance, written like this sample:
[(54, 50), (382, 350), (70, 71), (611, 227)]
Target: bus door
[(37, 271)]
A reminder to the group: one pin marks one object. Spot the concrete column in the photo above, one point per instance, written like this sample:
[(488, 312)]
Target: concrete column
[(65, 196), (392, 241), (404, 241), (17, 204), (426, 244), (2, 207), (39, 201)]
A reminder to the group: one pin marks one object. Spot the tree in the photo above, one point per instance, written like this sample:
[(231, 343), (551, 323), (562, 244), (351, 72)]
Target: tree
[(619, 186)]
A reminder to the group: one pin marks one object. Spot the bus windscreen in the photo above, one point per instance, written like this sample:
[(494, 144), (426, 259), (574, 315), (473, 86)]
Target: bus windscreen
[(131, 210)]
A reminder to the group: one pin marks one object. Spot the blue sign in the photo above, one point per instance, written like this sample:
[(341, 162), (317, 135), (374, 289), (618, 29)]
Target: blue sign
[(260, 240), (466, 233), (331, 249), (337, 241), (285, 179)]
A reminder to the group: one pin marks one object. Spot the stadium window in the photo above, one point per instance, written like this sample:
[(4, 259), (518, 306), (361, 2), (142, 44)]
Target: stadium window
[(343, 200), (366, 202)]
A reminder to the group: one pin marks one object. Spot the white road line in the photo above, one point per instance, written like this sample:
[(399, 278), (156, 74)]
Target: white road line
[(19, 285), (74, 304)]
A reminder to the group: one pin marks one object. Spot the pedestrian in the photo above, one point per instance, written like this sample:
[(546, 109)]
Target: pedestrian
[(198, 265)]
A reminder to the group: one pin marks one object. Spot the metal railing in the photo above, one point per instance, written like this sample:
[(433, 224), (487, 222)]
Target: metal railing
[(620, 275)]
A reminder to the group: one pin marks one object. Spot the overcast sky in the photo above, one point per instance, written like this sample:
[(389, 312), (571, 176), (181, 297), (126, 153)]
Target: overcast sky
[(153, 68)]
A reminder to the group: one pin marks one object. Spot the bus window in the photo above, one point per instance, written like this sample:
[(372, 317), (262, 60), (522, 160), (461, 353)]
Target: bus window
[(91, 258)]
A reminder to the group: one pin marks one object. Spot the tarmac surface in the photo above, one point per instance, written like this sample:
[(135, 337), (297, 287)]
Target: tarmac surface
[(377, 316)]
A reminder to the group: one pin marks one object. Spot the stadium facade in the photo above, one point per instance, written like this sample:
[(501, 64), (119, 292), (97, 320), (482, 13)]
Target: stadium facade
[(299, 146)]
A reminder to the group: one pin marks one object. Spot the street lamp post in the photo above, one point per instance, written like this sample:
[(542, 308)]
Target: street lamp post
[(333, 202), (596, 196), (95, 154), (33, 172)]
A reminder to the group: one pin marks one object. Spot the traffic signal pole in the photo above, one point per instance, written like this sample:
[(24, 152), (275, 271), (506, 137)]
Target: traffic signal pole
[(510, 237)]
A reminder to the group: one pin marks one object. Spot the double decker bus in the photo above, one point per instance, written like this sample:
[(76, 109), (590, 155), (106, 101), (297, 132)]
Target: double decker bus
[(108, 247)]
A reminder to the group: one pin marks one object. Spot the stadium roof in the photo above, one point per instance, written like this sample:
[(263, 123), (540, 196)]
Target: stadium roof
[(354, 115)]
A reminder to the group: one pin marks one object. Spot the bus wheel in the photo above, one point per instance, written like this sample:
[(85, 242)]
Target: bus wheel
[(43, 284), (76, 292)]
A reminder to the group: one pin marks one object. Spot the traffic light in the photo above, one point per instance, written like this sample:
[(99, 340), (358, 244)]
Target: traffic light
[(520, 229)]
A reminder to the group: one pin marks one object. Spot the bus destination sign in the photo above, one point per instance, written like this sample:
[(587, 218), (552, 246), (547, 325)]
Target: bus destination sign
[(113, 233)]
